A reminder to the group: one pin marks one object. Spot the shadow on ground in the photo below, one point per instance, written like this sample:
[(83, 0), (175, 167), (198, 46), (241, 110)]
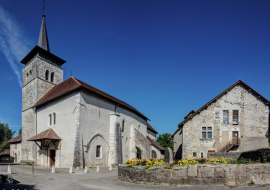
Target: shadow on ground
[(17, 185)]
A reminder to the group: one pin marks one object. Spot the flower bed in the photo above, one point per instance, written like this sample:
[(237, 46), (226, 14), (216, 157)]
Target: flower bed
[(153, 164)]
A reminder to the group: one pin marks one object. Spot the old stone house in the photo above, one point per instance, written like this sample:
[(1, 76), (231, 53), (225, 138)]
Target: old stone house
[(235, 120), (71, 123), (15, 149)]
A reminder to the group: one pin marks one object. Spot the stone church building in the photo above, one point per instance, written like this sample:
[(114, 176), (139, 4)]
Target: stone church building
[(235, 120), (70, 123)]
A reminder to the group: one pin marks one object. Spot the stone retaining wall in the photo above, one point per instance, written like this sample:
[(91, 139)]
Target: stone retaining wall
[(253, 155), (227, 155), (201, 174)]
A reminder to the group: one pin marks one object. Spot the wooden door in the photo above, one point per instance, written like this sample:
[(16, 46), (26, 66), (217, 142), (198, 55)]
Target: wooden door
[(235, 137), (52, 157), (15, 158)]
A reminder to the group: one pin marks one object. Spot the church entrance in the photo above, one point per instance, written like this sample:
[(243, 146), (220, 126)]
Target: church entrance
[(52, 157)]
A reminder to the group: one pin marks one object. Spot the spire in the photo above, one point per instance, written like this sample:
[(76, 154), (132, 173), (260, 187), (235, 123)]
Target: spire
[(43, 37)]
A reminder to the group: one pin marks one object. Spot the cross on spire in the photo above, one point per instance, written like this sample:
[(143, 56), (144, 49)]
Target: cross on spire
[(43, 6)]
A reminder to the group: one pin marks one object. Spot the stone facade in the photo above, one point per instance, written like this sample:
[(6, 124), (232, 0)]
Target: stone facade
[(252, 122), (35, 86), (15, 152), (201, 174)]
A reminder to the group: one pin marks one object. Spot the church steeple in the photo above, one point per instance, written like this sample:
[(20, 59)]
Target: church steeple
[(43, 41)]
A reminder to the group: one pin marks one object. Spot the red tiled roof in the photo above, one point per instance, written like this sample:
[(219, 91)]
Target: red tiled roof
[(48, 134), (18, 138), (72, 84), (5, 152), (151, 128), (153, 142), (239, 82)]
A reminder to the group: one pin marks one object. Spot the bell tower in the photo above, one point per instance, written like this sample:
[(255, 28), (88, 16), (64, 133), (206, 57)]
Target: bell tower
[(42, 71)]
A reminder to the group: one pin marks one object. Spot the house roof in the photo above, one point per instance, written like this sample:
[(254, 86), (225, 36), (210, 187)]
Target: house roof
[(5, 152), (18, 138), (239, 82), (151, 128), (192, 111), (73, 84), (47, 134), (153, 142)]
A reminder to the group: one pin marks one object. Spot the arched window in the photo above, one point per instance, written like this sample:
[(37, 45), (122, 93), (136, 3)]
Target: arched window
[(47, 75), (54, 118), (123, 126), (139, 128), (50, 116), (154, 154), (52, 77), (98, 151), (139, 153), (30, 72)]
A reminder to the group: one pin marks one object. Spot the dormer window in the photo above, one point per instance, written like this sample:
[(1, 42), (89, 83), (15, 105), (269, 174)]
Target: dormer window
[(47, 75)]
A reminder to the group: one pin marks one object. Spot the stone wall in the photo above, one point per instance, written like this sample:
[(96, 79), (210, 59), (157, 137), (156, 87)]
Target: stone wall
[(227, 155), (253, 155), (201, 174)]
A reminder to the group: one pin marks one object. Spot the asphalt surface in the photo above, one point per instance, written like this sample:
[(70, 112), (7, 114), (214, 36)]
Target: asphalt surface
[(103, 180)]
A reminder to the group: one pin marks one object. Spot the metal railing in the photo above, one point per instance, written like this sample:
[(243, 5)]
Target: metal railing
[(230, 144)]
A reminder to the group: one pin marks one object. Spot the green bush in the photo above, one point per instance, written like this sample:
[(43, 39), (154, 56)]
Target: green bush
[(27, 164)]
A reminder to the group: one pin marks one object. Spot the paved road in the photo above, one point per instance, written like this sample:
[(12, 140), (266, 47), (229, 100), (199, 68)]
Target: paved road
[(104, 180)]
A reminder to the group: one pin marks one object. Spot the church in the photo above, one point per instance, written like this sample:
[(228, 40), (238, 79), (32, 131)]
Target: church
[(71, 123)]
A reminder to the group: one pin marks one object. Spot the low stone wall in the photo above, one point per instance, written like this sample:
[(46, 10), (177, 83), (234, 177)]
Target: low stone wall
[(227, 155), (201, 174), (252, 155)]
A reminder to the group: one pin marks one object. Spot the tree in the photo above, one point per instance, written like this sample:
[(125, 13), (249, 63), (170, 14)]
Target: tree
[(164, 141), (5, 135), (20, 131)]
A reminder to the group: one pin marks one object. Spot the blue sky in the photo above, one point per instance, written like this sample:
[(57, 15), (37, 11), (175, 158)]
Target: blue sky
[(162, 57)]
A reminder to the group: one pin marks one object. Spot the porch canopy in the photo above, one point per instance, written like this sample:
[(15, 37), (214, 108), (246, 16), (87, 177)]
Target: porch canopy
[(45, 138)]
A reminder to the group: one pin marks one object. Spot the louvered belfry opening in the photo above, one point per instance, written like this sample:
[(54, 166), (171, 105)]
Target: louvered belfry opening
[(235, 117)]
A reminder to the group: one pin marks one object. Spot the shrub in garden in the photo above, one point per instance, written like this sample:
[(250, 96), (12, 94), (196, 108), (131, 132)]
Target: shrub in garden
[(187, 162), (218, 160), (201, 161)]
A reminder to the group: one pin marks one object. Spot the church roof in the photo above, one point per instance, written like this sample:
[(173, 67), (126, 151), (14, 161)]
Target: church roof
[(153, 142), (43, 41), (42, 49), (239, 82), (73, 84), (47, 134), (18, 138), (151, 128)]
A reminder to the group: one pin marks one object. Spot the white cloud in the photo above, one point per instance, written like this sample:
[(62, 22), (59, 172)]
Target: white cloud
[(14, 44)]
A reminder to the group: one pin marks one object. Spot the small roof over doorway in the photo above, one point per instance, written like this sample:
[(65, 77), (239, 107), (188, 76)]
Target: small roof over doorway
[(48, 134)]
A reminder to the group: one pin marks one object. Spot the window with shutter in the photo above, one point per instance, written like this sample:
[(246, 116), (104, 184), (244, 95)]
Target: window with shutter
[(225, 117), (235, 117)]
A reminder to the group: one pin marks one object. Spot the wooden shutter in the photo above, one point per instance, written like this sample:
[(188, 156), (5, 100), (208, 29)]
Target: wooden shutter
[(235, 117)]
